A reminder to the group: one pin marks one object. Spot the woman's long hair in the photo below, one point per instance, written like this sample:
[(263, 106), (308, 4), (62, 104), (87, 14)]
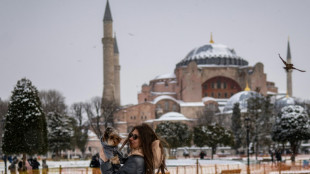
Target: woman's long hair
[(147, 137)]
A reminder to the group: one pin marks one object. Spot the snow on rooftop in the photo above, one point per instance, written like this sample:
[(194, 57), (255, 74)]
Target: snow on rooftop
[(165, 76), (212, 50), (162, 97), (205, 99), (163, 93), (188, 104), (173, 116), (219, 66)]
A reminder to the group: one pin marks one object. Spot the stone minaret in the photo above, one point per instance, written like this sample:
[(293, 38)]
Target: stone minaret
[(108, 55), (289, 84), (117, 69)]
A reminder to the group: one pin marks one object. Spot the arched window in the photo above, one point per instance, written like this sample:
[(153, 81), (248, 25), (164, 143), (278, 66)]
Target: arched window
[(219, 86), (166, 105)]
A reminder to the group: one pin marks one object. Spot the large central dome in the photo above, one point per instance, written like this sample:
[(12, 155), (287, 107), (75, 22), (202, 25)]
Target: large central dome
[(213, 54)]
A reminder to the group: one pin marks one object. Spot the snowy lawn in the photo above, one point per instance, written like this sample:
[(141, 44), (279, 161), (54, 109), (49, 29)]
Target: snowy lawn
[(175, 162)]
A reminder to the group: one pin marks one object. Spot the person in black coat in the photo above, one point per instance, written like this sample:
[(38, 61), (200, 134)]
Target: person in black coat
[(202, 155), (94, 163), (34, 163), (144, 145), (35, 166)]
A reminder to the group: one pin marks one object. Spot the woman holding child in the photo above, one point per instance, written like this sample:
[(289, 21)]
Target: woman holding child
[(147, 154)]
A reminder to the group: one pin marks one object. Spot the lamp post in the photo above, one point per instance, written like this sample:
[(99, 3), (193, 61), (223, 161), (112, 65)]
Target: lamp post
[(247, 122)]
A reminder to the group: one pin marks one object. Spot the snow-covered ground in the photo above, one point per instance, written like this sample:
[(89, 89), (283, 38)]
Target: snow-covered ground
[(177, 162)]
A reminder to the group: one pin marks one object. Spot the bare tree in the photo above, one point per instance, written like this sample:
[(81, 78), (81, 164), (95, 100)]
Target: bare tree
[(108, 109), (77, 112), (3, 112), (52, 101), (80, 130), (93, 110), (3, 108), (100, 113), (207, 116)]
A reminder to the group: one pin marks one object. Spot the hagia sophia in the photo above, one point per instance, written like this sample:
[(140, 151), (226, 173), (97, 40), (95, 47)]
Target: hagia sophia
[(209, 75)]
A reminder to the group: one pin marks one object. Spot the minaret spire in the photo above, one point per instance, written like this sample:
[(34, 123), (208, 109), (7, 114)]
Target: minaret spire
[(289, 84), (211, 39), (107, 13)]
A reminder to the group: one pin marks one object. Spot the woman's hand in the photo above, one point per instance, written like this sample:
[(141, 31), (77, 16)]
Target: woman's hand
[(102, 155)]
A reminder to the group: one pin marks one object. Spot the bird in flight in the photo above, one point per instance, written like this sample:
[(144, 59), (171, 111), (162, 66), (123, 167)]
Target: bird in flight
[(289, 66)]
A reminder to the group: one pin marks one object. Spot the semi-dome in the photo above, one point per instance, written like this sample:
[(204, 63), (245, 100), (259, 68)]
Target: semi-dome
[(240, 97), (173, 116), (213, 54), (284, 101)]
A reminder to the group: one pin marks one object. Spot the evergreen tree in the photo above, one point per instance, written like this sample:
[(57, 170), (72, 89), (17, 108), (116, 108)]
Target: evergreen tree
[(254, 109), (292, 125), (199, 136), (266, 120), (176, 134), (236, 127), (212, 136), (260, 116), (25, 128), (59, 133)]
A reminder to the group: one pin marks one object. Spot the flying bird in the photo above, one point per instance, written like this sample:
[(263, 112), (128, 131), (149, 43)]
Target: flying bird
[(289, 66)]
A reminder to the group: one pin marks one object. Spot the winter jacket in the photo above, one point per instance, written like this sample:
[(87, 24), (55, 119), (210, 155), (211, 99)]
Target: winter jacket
[(134, 164)]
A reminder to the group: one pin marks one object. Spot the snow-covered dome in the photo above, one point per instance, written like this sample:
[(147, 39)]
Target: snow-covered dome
[(284, 101), (213, 54), (173, 116), (240, 97)]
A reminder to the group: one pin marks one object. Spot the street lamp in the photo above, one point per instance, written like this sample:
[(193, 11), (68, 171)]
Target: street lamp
[(247, 123)]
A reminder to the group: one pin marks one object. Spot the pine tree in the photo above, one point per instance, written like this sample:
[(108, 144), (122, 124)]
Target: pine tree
[(25, 128), (265, 121), (254, 109), (59, 133), (236, 127)]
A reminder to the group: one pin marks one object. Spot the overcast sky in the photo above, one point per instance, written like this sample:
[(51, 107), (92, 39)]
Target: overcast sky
[(57, 43)]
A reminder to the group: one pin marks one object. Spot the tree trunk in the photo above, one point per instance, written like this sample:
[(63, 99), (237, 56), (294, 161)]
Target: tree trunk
[(213, 151), (294, 151), (24, 168)]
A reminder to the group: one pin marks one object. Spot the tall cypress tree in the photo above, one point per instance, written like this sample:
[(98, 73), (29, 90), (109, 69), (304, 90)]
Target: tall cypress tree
[(25, 127), (236, 127)]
